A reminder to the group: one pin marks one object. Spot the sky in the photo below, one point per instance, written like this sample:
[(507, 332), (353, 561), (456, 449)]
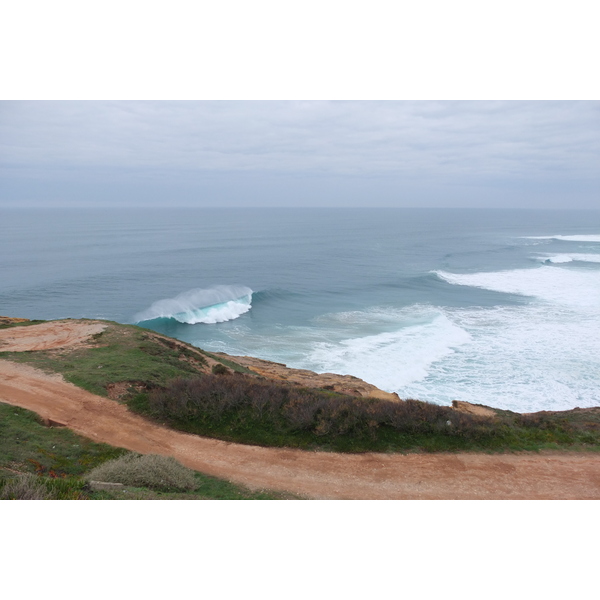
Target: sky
[(529, 154)]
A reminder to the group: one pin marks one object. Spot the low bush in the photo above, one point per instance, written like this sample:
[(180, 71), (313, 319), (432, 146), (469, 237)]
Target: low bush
[(245, 409), (150, 470), (233, 406), (24, 487)]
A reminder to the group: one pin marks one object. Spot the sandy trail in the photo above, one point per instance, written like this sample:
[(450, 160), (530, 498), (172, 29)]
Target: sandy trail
[(311, 474)]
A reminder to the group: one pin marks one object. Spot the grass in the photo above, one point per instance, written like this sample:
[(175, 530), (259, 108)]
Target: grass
[(27, 446), (60, 460)]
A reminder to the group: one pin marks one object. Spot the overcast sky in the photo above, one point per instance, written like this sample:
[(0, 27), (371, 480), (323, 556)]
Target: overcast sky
[(282, 153)]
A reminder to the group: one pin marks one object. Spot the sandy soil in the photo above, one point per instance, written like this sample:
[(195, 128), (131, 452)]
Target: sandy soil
[(310, 474), (46, 336)]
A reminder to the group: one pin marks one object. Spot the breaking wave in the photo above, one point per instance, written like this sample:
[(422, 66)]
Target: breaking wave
[(390, 359), (566, 258), (213, 305), (552, 284)]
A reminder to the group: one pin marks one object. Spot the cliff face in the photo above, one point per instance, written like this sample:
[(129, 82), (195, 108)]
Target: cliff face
[(346, 384)]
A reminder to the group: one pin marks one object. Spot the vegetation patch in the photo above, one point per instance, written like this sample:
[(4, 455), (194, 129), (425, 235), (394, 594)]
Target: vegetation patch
[(24, 487), (39, 462), (244, 409), (145, 470)]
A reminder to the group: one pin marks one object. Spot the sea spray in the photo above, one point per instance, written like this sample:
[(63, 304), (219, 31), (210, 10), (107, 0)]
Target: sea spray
[(213, 305)]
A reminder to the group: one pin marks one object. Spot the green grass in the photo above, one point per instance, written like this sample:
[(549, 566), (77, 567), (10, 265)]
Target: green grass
[(61, 458), (26, 445)]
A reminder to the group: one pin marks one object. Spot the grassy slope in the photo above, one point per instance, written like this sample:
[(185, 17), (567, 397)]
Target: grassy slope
[(124, 353), (120, 353)]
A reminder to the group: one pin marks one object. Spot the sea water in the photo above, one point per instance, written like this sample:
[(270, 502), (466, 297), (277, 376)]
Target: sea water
[(498, 307)]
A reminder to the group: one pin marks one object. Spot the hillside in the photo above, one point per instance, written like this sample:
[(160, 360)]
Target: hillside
[(113, 371)]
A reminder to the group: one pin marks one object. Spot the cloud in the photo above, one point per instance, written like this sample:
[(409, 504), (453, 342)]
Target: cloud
[(334, 152), (413, 138)]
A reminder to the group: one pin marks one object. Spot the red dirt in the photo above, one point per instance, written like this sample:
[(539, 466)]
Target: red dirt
[(48, 336), (310, 474)]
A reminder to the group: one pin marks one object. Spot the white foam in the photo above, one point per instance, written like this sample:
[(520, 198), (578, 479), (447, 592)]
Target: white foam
[(519, 358), (567, 258), (566, 238), (524, 358), (392, 359), (213, 305), (552, 284)]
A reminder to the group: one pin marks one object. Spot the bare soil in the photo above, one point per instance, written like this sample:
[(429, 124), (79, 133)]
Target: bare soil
[(311, 474), (48, 336)]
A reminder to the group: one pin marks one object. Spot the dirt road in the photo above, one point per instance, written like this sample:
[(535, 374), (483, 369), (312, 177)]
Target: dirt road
[(311, 474)]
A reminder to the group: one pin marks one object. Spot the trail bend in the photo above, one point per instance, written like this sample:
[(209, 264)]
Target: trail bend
[(320, 475)]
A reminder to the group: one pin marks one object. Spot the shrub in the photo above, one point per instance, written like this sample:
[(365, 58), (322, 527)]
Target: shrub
[(220, 369), (244, 402), (240, 408), (150, 470), (24, 487)]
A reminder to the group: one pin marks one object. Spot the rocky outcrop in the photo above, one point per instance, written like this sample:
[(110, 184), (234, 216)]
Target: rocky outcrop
[(473, 409), (345, 384)]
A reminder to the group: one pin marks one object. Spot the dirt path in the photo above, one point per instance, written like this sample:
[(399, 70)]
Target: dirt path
[(311, 474)]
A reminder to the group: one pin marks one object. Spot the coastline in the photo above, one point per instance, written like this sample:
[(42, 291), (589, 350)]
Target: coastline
[(62, 336)]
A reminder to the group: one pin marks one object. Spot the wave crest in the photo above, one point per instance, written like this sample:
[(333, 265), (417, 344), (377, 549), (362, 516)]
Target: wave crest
[(549, 283), (566, 238), (213, 305)]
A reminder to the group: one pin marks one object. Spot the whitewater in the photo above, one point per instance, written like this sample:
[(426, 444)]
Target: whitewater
[(493, 307), (214, 305)]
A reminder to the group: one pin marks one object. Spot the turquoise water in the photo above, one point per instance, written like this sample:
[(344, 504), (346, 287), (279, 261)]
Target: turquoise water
[(489, 306)]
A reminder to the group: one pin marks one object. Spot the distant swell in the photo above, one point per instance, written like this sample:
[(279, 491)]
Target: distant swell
[(214, 305)]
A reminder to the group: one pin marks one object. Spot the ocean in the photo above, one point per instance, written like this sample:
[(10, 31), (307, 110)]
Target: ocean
[(496, 307)]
